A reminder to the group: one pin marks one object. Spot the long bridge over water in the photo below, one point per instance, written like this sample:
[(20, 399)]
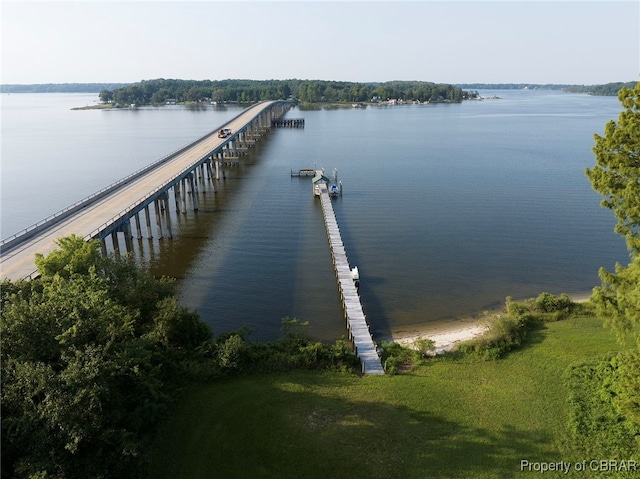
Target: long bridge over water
[(113, 210)]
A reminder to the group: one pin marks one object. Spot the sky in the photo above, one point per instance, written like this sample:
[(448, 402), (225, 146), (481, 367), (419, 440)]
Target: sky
[(507, 41)]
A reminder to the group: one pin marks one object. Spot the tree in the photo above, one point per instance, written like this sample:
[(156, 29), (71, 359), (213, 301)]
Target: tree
[(617, 173), (617, 177), (106, 96), (91, 353)]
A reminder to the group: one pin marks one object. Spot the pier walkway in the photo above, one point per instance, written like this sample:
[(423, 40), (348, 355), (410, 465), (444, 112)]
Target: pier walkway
[(357, 326)]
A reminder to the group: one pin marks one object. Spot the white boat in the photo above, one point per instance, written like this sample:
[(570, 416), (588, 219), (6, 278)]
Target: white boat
[(355, 275)]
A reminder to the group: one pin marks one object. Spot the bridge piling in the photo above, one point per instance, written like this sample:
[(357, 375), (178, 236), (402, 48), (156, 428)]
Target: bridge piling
[(158, 223), (194, 197), (176, 195), (183, 195), (115, 243), (138, 227), (194, 177), (210, 173), (126, 229), (148, 221), (167, 214)]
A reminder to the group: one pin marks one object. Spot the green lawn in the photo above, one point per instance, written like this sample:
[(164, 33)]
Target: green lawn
[(448, 419)]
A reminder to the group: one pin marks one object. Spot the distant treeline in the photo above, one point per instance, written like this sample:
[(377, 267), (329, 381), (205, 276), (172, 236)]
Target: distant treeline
[(161, 90), (512, 86), (609, 89), (246, 91), (61, 87)]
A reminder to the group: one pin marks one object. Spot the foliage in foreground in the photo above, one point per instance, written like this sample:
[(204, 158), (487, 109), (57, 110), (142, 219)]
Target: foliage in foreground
[(93, 355), (396, 358), (616, 176), (233, 354), (597, 425)]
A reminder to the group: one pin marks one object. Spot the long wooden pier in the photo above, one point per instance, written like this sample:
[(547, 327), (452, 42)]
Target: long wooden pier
[(357, 326)]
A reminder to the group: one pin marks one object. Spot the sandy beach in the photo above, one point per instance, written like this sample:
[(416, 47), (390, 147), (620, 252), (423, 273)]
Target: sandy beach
[(447, 335)]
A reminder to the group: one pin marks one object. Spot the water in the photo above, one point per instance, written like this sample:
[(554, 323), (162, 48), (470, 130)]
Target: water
[(447, 209), (62, 156)]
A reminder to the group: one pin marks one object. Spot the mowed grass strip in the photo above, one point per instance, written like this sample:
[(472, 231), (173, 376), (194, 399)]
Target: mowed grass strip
[(451, 418)]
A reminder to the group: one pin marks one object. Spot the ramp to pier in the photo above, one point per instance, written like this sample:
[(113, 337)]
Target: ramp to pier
[(357, 326)]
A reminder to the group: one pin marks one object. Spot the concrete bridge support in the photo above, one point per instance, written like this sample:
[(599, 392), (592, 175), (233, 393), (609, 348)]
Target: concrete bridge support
[(158, 222), (128, 237), (176, 196), (138, 226), (183, 195), (194, 196), (147, 216), (165, 199), (115, 243)]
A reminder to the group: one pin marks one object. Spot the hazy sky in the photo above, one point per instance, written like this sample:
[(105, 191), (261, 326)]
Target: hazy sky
[(577, 42)]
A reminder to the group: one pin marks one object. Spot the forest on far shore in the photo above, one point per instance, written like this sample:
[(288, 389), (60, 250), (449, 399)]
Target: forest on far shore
[(159, 91)]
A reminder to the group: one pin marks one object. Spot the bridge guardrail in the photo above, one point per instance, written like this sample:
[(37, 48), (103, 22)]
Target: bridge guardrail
[(14, 240)]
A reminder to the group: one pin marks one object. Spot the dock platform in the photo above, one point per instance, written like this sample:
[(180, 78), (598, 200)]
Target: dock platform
[(357, 326), (304, 172), (288, 123)]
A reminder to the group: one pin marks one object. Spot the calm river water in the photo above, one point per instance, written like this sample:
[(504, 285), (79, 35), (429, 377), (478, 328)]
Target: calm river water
[(447, 209)]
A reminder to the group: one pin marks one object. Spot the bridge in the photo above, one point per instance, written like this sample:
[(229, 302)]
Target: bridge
[(113, 209)]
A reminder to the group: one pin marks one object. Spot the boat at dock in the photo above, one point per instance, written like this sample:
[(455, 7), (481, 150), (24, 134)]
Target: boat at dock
[(331, 185)]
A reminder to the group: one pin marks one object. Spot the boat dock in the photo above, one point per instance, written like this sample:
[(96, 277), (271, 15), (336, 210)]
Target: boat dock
[(357, 326), (287, 123), (304, 172)]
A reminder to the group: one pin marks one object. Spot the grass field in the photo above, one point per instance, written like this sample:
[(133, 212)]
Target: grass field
[(451, 418)]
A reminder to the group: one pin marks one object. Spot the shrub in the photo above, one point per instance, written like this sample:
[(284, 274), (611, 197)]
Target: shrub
[(396, 356), (507, 332), (425, 347), (597, 423), (391, 365), (503, 334), (555, 308)]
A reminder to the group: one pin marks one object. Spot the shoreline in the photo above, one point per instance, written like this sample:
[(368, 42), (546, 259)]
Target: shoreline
[(448, 334), (445, 335)]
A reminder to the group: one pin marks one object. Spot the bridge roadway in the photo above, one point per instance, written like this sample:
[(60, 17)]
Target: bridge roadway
[(97, 217)]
